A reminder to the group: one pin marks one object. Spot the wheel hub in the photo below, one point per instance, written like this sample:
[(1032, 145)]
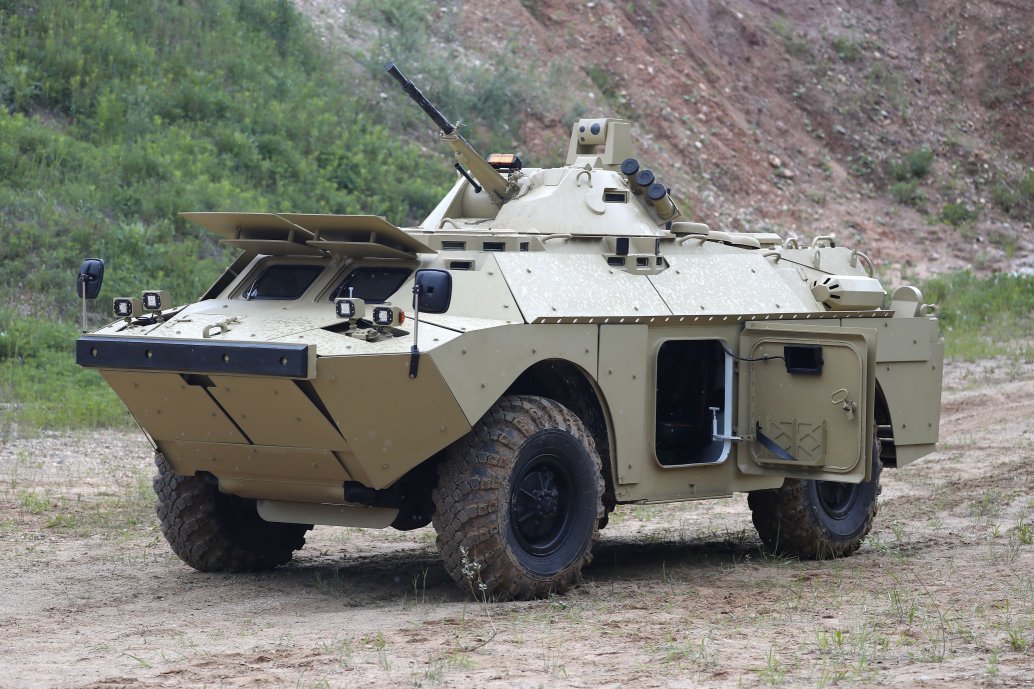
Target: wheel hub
[(836, 498), (538, 505)]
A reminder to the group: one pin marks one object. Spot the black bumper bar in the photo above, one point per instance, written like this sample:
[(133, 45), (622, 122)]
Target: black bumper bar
[(197, 356)]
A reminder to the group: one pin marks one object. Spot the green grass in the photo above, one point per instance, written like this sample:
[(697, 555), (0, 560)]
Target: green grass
[(117, 114), (38, 372), (982, 317)]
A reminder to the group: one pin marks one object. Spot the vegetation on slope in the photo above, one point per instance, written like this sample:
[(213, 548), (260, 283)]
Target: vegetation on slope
[(117, 114)]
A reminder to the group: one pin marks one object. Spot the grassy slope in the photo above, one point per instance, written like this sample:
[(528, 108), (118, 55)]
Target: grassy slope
[(117, 114)]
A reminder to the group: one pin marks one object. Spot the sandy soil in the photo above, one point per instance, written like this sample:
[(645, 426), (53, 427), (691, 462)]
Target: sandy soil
[(941, 595)]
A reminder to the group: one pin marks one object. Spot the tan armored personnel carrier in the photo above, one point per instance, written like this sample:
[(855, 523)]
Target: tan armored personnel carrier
[(546, 345)]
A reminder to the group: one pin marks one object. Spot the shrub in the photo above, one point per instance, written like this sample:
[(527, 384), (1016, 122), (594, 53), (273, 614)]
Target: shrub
[(1016, 197), (908, 193), (957, 214), (914, 165)]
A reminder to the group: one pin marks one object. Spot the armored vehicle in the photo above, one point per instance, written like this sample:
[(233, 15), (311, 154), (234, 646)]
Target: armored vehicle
[(546, 345)]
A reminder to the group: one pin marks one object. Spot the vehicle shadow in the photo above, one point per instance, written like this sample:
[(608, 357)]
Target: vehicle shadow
[(418, 575)]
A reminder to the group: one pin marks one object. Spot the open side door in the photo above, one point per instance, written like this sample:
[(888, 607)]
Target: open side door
[(807, 412)]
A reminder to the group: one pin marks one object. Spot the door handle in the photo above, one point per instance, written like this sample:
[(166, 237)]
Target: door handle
[(841, 398)]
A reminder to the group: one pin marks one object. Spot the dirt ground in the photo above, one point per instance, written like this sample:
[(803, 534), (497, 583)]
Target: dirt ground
[(941, 594)]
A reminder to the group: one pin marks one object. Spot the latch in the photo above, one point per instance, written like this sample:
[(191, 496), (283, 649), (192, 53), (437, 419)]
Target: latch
[(840, 398)]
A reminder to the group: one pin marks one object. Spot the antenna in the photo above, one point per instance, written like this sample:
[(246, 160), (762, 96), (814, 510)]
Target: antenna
[(414, 358)]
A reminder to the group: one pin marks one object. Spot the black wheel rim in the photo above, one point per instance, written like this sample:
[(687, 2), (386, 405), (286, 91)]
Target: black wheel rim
[(837, 499), (540, 505)]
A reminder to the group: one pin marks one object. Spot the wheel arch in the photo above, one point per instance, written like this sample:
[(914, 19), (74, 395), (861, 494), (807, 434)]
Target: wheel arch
[(884, 428), (571, 385)]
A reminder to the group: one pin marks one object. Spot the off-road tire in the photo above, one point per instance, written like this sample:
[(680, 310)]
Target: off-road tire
[(816, 520), (497, 540), (215, 532)]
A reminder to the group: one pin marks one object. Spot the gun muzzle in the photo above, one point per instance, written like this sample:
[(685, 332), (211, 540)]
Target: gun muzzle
[(413, 92)]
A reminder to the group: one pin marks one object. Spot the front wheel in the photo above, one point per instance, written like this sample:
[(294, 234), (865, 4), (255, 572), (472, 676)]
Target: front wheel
[(215, 532), (519, 501), (816, 520)]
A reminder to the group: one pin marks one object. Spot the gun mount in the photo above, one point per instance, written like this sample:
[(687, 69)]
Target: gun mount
[(499, 188)]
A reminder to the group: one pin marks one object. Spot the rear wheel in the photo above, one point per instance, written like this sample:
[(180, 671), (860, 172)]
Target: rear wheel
[(519, 501), (816, 520), (215, 532)]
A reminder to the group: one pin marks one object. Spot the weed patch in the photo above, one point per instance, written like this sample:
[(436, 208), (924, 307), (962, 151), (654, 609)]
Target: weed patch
[(982, 317)]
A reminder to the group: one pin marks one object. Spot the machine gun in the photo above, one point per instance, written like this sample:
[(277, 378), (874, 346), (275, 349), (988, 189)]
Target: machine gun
[(499, 189)]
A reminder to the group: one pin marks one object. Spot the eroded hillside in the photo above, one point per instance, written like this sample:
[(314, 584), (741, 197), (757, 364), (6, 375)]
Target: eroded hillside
[(902, 126)]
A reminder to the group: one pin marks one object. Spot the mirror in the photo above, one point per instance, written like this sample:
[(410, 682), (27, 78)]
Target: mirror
[(91, 277), (432, 291)]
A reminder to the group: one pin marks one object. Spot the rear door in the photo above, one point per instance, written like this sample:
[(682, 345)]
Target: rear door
[(807, 400)]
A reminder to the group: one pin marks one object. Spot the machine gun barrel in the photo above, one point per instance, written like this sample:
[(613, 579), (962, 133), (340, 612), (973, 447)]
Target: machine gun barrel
[(417, 95), (500, 189)]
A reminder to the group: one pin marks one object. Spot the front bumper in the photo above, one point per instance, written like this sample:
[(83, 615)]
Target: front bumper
[(281, 360)]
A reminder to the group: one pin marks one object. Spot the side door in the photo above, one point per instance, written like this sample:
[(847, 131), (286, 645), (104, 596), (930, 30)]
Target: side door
[(807, 392)]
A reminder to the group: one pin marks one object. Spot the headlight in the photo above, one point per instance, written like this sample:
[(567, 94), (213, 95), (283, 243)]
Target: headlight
[(349, 308), (156, 300), (388, 316), (127, 307)]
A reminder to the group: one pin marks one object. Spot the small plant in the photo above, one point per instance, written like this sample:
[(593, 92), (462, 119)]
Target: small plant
[(1017, 641), (471, 570), (989, 505), (34, 503), (992, 665), (773, 673), (847, 50), (908, 193), (958, 214), (1015, 197), (914, 165)]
